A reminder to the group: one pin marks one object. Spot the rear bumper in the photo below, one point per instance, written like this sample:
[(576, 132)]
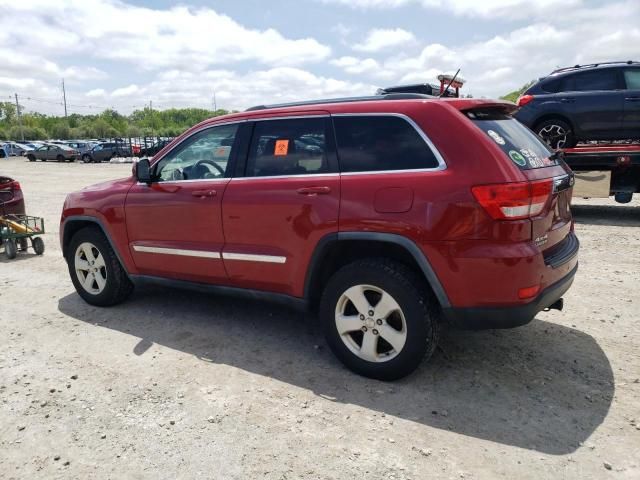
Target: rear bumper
[(482, 318)]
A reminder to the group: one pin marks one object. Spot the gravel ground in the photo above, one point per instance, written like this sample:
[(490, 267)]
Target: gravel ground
[(184, 385)]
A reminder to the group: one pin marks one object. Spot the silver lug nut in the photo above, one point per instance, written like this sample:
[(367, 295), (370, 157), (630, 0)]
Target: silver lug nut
[(375, 332), (370, 313), (379, 321), (364, 329), (361, 317)]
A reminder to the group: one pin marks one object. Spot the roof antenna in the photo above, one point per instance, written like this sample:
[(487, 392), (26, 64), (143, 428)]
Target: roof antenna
[(444, 92)]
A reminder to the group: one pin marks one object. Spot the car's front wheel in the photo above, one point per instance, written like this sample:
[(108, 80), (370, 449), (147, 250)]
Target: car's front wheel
[(379, 319), (32, 158), (95, 270), (556, 133)]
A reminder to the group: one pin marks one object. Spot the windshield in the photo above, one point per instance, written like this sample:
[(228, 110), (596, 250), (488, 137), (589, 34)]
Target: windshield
[(519, 143)]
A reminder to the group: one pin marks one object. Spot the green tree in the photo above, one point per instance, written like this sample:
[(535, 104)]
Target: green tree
[(60, 130), (513, 96)]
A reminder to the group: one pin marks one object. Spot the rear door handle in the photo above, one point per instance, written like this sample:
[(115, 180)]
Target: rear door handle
[(314, 190), (567, 100), (204, 193), (632, 99)]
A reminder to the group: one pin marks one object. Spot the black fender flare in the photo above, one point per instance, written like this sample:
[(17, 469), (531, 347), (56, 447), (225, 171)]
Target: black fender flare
[(404, 242), (95, 221)]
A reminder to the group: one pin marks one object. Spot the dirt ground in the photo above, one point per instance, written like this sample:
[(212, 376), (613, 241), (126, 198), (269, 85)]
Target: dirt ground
[(175, 384)]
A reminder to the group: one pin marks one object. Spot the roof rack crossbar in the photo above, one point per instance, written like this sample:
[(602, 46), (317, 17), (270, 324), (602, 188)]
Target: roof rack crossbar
[(388, 96)]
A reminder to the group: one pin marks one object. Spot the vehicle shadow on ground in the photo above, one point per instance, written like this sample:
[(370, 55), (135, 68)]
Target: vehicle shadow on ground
[(608, 215), (542, 387)]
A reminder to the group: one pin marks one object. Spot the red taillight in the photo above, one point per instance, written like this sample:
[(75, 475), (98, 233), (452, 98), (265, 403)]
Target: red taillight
[(514, 201), (15, 186), (524, 99)]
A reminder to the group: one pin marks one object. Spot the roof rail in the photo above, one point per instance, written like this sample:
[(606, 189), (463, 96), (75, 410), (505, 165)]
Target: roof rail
[(389, 96), (589, 65)]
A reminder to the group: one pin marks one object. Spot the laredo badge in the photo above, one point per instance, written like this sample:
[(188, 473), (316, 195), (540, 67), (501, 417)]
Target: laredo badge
[(517, 158)]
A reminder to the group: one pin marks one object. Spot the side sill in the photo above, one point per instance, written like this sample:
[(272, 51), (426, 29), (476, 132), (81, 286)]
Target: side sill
[(294, 303)]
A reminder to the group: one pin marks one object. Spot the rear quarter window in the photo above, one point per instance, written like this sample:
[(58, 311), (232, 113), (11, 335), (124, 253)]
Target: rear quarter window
[(372, 143), (520, 145)]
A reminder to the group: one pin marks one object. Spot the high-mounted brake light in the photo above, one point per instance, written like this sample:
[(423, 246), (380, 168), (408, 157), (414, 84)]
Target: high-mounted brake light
[(523, 100), (514, 201)]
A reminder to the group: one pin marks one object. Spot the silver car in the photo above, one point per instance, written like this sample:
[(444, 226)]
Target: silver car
[(17, 149)]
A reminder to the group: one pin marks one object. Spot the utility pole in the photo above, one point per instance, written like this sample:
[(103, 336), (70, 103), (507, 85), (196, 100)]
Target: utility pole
[(64, 98), (215, 105), (19, 118)]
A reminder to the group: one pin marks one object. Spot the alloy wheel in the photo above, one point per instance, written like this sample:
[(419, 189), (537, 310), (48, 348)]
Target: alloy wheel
[(371, 323), (90, 268), (554, 135)]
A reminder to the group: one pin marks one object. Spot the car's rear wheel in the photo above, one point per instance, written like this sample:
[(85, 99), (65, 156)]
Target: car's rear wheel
[(379, 319), (556, 133), (60, 158), (95, 270)]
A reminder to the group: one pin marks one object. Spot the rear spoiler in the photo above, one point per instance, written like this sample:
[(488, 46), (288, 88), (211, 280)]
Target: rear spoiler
[(471, 104)]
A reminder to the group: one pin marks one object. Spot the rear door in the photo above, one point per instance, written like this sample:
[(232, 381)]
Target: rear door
[(285, 199), (632, 101), (594, 101)]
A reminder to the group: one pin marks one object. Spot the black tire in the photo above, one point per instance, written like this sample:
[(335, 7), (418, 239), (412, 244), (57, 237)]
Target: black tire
[(413, 296), (31, 158), (38, 245), (23, 244), (60, 158), (86, 158), (550, 129), (118, 286), (10, 248)]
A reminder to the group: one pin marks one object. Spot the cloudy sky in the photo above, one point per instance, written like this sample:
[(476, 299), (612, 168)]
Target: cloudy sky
[(124, 54)]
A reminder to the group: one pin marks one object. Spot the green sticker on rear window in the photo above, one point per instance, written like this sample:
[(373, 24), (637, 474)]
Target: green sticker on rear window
[(518, 158)]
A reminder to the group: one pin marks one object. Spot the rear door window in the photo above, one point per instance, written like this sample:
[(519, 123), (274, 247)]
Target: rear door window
[(594, 81), (288, 147), (632, 78), (380, 143), (519, 144)]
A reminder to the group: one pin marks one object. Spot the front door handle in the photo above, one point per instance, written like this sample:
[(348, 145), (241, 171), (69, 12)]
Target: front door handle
[(314, 190), (567, 100), (632, 99), (204, 193)]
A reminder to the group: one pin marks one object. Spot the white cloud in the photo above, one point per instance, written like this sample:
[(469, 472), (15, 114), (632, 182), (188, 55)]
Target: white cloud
[(148, 38), (474, 8), (357, 66), (240, 91), (382, 38), (504, 62), (96, 92), (128, 91)]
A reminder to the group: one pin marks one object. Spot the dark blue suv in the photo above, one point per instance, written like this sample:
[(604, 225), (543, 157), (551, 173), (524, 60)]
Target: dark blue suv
[(585, 102)]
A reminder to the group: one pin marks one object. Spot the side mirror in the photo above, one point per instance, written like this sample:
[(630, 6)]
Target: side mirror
[(143, 170)]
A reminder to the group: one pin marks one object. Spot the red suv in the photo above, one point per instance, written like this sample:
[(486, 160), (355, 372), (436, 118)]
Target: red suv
[(390, 215)]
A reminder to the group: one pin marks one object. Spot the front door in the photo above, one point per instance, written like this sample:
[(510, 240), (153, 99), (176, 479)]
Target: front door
[(287, 200), (174, 224)]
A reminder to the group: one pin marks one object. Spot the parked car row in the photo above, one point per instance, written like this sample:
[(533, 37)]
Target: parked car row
[(96, 150)]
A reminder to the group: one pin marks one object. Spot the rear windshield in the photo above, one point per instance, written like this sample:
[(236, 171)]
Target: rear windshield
[(518, 143)]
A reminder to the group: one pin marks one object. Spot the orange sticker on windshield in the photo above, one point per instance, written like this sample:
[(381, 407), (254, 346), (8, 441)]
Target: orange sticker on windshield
[(282, 147)]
